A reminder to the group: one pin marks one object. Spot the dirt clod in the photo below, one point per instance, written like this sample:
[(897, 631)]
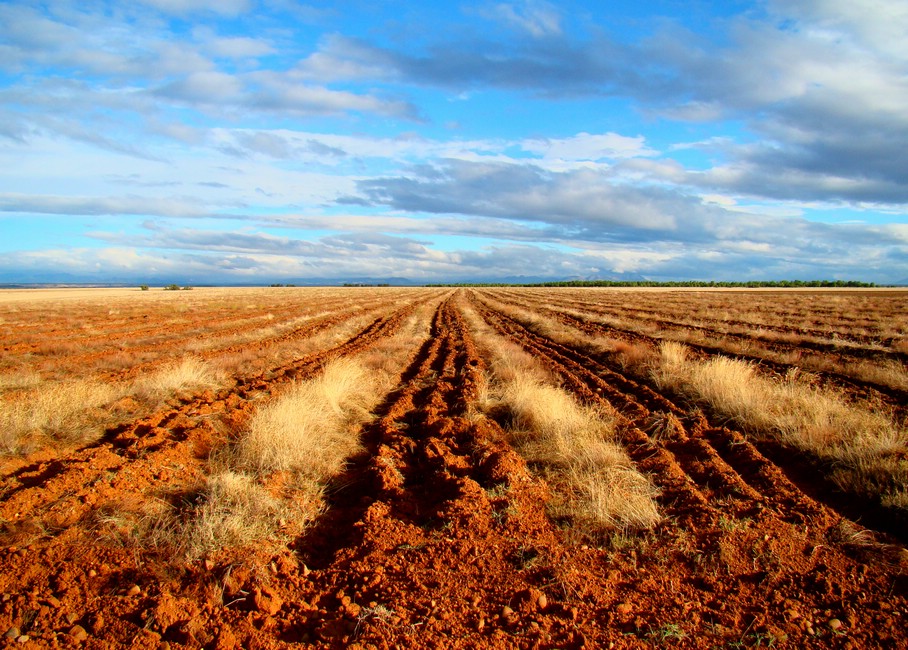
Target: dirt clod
[(268, 602), (78, 633), (436, 532)]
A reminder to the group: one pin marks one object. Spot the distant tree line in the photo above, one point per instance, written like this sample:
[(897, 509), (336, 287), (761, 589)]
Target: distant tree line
[(781, 284)]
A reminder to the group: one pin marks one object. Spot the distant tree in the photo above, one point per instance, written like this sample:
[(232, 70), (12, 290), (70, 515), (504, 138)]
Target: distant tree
[(172, 287), (143, 287)]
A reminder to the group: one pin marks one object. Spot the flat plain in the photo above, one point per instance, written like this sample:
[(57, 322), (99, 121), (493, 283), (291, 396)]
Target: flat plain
[(453, 468)]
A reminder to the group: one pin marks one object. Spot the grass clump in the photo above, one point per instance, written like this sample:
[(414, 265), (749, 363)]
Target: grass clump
[(236, 510), (269, 481), (176, 377), (305, 430), (597, 485), (67, 412), (861, 447), (275, 473), (573, 443)]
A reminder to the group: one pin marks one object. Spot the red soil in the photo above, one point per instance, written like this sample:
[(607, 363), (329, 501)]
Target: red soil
[(437, 535)]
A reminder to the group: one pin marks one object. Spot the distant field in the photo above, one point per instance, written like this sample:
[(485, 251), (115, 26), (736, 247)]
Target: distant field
[(433, 467)]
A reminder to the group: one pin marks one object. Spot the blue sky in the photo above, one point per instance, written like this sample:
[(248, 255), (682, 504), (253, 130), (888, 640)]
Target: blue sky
[(235, 141)]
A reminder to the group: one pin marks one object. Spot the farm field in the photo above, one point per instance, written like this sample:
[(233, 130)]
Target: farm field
[(453, 468)]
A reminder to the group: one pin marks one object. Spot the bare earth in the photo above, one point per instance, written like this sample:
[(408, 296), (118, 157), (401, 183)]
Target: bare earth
[(438, 533)]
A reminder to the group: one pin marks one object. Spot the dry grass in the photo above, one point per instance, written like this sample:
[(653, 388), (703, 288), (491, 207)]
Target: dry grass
[(176, 377), (59, 413), (574, 440), (21, 378), (228, 509), (270, 481), (599, 487), (306, 429), (764, 321), (237, 510), (861, 445)]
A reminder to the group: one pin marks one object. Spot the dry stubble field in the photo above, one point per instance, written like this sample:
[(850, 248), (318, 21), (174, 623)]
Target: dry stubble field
[(471, 468)]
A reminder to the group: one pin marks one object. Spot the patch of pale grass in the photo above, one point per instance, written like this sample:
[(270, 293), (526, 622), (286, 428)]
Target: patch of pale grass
[(236, 510), (190, 373), (889, 372), (66, 412), (550, 414), (20, 379), (229, 509), (305, 429), (599, 484), (857, 442), (573, 441), (270, 482)]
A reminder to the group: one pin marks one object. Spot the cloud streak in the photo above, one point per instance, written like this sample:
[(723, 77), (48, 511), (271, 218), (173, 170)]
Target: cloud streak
[(522, 139)]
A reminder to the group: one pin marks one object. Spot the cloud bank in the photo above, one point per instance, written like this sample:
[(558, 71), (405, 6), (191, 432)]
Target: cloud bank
[(239, 141)]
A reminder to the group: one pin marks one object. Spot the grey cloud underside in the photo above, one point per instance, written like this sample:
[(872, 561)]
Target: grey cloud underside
[(588, 205), (372, 244), (129, 205), (836, 142), (207, 256), (580, 200)]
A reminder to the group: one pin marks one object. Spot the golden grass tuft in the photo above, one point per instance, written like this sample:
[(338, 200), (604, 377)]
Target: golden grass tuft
[(270, 482), (305, 430), (598, 486), (20, 379), (190, 373), (859, 445), (236, 510), (572, 441), (63, 412)]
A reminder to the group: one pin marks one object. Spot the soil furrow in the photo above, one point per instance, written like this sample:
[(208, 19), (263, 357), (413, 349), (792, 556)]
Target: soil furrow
[(444, 486), (811, 480), (680, 493), (897, 397), (716, 480), (437, 533), (66, 485)]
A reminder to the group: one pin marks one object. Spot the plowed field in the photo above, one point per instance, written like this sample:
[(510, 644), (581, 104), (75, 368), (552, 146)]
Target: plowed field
[(436, 532)]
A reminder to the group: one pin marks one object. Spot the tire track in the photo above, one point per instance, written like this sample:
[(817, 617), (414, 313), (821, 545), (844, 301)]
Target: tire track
[(60, 492), (711, 478), (435, 487), (896, 396)]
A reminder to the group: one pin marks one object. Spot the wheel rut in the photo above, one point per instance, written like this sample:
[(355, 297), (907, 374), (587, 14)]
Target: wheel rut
[(135, 457), (711, 481), (439, 486)]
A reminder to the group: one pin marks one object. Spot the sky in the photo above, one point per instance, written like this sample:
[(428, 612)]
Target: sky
[(238, 141)]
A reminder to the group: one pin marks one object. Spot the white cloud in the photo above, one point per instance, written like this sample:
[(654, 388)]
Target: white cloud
[(107, 109), (111, 205), (204, 87), (876, 24), (585, 146), (183, 7), (234, 47), (535, 17)]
